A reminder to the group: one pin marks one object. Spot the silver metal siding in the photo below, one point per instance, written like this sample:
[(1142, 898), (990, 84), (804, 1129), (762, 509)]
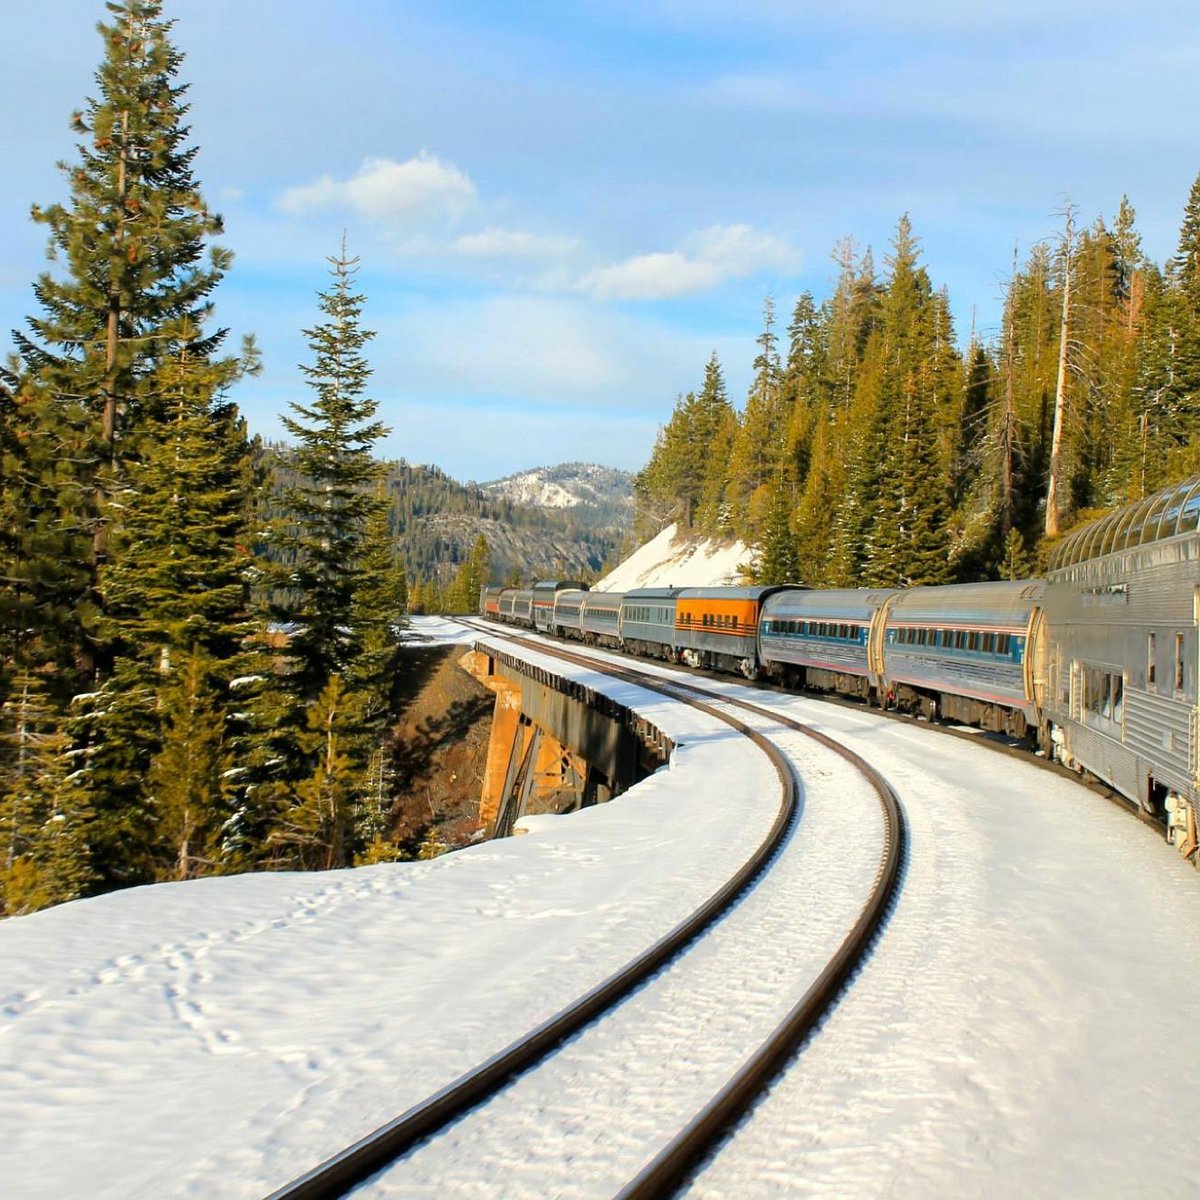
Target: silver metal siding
[(1105, 757), (1162, 730), (847, 656), (990, 681)]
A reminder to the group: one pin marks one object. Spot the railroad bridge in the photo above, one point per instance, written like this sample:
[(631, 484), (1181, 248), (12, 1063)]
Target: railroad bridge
[(556, 745)]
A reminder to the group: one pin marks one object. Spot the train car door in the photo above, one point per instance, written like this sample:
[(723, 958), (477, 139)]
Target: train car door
[(1036, 666), (875, 641)]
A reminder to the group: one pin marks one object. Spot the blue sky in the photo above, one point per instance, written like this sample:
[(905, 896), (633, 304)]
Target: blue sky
[(562, 207)]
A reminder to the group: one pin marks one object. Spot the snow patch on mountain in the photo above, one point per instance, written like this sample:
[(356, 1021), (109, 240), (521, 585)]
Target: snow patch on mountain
[(531, 488), (672, 560), (569, 485)]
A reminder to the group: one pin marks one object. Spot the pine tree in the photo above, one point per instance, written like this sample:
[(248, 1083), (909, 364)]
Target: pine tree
[(134, 282), (180, 579), (802, 392), (474, 574), (779, 561), (378, 610), (1168, 373), (324, 525), (315, 830), (188, 787), (761, 440), (45, 815)]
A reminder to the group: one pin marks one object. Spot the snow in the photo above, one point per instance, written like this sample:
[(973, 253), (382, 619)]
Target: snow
[(1026, 1025), (669, 560), (664, 1052), (217, 1037), (531, 488)]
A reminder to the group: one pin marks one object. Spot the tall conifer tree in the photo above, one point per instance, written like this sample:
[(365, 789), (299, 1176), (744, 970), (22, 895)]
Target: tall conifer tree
[(326, 514), (133, 281)]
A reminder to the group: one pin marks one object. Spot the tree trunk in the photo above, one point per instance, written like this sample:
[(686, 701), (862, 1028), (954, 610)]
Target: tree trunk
[(1053, 502)]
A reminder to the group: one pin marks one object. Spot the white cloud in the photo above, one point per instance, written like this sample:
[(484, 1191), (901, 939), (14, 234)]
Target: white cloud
[(650, 277), (705, 259), (513, 243), (420, 191), (738, 250)]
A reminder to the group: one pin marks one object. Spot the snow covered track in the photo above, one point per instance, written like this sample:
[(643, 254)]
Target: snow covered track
[(789, 928), (366, 1156)]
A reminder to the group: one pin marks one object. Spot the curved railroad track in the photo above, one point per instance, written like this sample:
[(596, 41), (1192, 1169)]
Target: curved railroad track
[(392, 1141)]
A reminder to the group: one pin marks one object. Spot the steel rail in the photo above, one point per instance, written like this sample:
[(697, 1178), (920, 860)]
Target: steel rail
[(672, 1165), (370, 1154), (669, 1168)]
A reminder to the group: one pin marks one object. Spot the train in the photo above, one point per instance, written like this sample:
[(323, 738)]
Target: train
[(1097, 664)]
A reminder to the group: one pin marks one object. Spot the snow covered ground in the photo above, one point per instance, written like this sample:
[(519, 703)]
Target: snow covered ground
[(218, 1037), (1028, 1024), (668, 560)]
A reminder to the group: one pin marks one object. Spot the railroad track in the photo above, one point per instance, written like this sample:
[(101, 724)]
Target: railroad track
[(691, 1141)]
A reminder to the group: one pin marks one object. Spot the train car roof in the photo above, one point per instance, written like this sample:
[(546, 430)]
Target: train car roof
[(560, 585), (655, 593), (725, 593), (1002, 604), (1167, 513), (851, 603), (616, 597)]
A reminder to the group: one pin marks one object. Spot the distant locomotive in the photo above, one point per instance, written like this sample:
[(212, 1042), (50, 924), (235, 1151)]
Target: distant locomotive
[(1099, 662)]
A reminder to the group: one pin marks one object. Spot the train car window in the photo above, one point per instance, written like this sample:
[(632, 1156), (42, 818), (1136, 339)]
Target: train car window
[(1151, 666), (973, 641), (1109, 525), (1103, 696), (1154, 520), (1179, 662), (1169, 521), (1191, 512), (1004, 643)]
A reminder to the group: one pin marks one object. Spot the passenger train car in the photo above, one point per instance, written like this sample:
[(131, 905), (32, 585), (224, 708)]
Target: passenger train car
[(1099, 662), (1120, 658)]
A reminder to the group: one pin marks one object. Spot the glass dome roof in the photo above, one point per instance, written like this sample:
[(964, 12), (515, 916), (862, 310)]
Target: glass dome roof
[(1165, 514)]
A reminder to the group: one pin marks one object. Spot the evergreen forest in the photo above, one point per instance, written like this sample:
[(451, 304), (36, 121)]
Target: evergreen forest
[(198, 656), (873, 451)]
